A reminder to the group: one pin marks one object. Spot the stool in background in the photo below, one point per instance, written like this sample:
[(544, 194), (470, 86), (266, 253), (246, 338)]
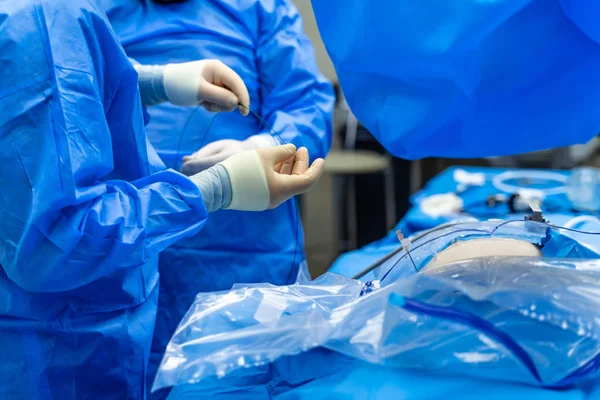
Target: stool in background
[(344, 165)]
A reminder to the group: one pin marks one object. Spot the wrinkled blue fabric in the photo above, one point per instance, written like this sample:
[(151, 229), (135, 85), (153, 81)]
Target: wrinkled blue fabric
[(469, 78), (86, 205), (360, 380), (151, 84), (215, 187), (264, 43), (341, 377)]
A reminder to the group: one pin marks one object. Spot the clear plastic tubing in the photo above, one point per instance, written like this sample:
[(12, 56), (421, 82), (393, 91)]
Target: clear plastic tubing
[(500, 181)]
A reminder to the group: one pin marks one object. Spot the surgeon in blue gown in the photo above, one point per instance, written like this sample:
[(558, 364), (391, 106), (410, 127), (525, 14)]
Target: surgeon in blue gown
[(86, 205), (263, 41), (467, 78)]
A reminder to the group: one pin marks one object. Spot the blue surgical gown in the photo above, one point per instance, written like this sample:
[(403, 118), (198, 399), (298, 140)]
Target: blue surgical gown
[(468, 78), (85, 208), (263, 41)]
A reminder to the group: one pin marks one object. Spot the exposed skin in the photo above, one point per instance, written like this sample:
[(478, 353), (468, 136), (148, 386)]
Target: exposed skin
[(477, 248)]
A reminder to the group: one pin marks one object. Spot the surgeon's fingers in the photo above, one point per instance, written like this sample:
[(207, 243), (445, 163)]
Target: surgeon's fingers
[(206, 151), (218, 96), (196, 157), (211, 149), (301, 161), (189, 157), (215, 108), (299, 184), (233, 81), (288, 165), (277, 154), (214, 159), (225, 77), (193, 167)]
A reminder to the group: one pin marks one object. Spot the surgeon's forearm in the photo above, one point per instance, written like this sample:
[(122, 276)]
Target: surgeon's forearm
[(121, 225), (150, 82), (215, 187)]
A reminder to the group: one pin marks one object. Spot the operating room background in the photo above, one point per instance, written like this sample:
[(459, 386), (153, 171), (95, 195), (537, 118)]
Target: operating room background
[(325, 209), (328, 220)]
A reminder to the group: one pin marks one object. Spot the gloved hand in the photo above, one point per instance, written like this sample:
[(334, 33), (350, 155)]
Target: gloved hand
[(220, 150), (263, 179), (207, 82)]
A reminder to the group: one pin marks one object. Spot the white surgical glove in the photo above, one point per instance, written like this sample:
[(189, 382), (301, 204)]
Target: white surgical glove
[(207, 82), (220, 150), (264, 178)]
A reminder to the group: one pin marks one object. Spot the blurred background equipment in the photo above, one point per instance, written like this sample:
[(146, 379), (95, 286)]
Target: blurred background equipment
[(366, 190)]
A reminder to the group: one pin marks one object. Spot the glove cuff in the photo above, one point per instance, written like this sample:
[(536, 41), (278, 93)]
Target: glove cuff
[(249, 188), (181, 82)]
